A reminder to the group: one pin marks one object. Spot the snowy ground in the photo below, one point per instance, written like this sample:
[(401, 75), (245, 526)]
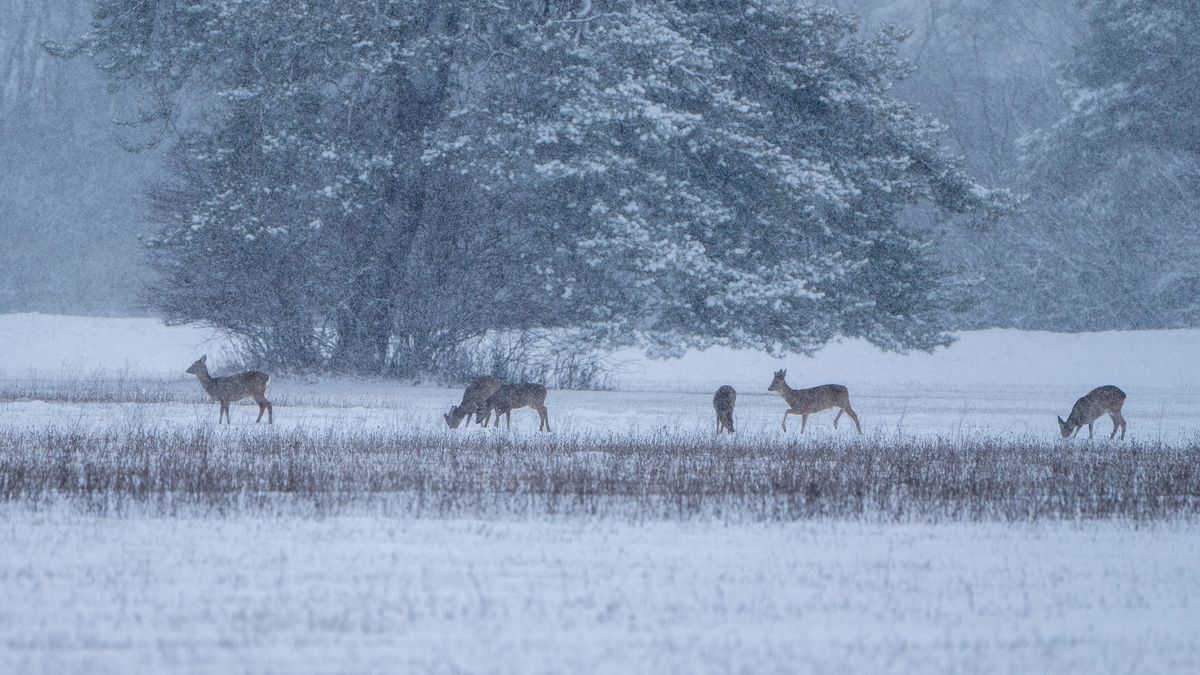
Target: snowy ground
[(995, 382), (371, 593), (376, 595)]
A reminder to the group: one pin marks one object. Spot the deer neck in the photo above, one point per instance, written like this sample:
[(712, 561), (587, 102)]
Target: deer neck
[(787, 392), (206, 381)]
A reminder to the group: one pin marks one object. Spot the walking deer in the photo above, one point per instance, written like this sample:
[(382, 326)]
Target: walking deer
[(252, 384), (804, 402), (511, 396), (1099, 401), (723, 402), (473, 401)]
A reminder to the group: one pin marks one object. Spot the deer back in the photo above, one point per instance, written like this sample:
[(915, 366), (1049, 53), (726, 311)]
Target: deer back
[(511, 396), (477, 393), (236, 387), (816, 399), (1097, 402), (724, 399)]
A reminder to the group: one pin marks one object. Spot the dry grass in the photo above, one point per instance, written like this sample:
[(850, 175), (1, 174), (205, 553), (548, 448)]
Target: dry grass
[(668, 476)]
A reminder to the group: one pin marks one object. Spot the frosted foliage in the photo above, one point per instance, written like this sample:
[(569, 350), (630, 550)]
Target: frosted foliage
[(370, 186), (751, 162), (1110, 240)]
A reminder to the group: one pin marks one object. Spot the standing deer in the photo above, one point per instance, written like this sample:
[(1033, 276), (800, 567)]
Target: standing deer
[(511, 396), (723, 402), (473, 400), (252, 384), (1107, 399), (804, 402)]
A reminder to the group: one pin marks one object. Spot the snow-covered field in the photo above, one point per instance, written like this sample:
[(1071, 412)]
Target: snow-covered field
[(385, 592), (376, 595), (995, 382)]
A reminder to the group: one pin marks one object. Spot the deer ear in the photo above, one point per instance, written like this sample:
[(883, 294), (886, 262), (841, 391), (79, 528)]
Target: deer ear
[(204, 358), (1060, 420)]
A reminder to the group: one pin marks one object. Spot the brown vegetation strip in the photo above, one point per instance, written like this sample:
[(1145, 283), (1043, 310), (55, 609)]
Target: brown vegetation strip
[(663, 476)]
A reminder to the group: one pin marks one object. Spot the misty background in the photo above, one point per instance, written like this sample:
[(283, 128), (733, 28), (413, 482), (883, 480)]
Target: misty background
[(1104, 237)]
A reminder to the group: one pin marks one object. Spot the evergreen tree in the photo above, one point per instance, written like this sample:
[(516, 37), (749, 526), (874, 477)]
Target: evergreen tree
[(364, 185), (1110, 240), (720, 173)]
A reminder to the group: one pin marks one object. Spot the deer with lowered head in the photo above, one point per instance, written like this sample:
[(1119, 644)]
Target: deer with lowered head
[(473, 401), (804, 402), (512, 396), (1097, 402), (225, 390), (723, 402)]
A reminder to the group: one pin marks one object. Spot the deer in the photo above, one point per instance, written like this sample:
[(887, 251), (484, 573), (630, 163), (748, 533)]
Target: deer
[(511, 396), (252, 384), (804, 402), (1097, 402), (473, 401), (723, 402)]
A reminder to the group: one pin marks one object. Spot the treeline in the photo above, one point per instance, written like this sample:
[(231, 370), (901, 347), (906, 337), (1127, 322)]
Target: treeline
[(69, 196), (1081, 107), (385, 187), (370, 186)]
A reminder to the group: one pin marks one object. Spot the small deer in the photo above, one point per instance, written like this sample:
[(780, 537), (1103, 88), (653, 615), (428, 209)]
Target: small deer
[(252, 384), (804, 402), (473, 400), (1107, 399), (511, 396), (723, 402)]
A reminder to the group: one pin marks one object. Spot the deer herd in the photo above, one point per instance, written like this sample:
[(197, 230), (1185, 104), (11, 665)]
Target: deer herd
[(488, 396)]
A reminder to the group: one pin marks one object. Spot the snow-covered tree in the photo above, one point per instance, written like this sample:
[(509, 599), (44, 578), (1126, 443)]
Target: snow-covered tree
[(300, 216), (728, 173), (1110, 240), (366, 184)]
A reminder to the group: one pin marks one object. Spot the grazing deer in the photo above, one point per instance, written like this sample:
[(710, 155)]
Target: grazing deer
[(804, 402), (252, 384), (1107, 399), (511, 396), (473, 400), (723, 402)]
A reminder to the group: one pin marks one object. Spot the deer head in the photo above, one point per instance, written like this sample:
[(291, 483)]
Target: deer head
[(454, 417), (777, 384), (1065, 427), (199, 366)]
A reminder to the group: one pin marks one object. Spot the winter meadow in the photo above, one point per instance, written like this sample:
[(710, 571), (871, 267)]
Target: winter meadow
[(599, 336)]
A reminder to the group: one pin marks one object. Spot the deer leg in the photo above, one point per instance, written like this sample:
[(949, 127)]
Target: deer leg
[(850, 413), (1118, 421), (264, 406), (1076, 432), (224, 412), (545, 415), (1090, 425), (837, 417), (785, 414), (803, 422)]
